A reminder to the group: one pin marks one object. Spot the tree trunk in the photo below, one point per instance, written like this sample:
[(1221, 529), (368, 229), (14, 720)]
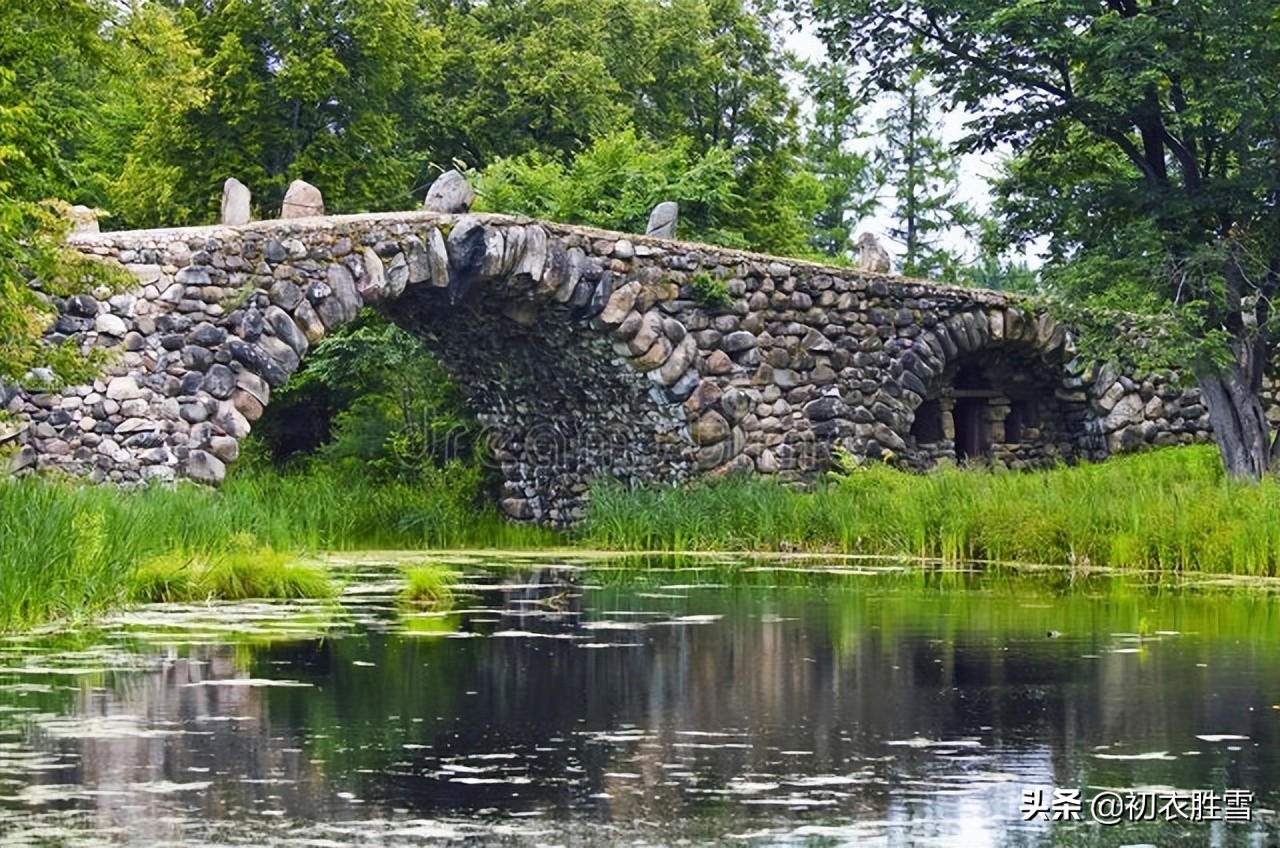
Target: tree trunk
[(1233, 395), (1240, 427)]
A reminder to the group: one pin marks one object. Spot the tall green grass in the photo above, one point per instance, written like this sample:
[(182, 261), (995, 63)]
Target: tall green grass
[(68, 550), (1172, 509), (429, 585), (245, 570)]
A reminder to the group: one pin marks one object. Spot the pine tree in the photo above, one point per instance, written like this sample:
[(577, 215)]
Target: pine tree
[(921, 170), (846, 178)]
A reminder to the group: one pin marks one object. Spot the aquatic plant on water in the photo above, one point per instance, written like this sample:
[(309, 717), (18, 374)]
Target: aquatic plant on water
[(429, 585), (246, 571)]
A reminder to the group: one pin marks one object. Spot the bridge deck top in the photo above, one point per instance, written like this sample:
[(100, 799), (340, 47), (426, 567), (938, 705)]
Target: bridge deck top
[(348, 223)]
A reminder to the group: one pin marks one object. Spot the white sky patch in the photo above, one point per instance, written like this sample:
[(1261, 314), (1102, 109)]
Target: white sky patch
[(973, 172)]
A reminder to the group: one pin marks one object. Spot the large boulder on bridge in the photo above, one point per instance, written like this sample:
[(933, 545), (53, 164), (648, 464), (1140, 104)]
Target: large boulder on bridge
[(235, 203), (302, 200), (450, 193)]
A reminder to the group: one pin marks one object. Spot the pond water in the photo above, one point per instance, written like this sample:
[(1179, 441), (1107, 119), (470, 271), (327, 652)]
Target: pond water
[(741, 704)]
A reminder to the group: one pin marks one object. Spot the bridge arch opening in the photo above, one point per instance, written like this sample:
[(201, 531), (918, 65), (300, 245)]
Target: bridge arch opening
[(995, 401)]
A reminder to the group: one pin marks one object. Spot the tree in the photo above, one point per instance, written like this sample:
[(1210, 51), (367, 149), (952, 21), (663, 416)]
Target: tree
[(845, 177), (616, 182), (524, 76), (330, 91), (48, 51), (371, 99), (559, 84), (921, 169), (1149, 135), (712, 72), (151, 77)]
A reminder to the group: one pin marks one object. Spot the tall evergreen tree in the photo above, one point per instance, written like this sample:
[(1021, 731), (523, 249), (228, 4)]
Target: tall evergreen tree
[(920, 169), (844, 172)]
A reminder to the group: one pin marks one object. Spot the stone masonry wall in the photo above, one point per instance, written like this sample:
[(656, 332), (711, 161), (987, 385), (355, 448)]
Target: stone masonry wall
[(585, 353)]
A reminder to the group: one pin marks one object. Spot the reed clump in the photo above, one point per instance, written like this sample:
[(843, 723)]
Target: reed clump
[(244, 571), (69, 550), (429, 585)]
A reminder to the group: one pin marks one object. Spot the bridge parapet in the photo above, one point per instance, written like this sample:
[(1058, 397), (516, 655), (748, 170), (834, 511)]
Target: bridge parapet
[(584, 352)]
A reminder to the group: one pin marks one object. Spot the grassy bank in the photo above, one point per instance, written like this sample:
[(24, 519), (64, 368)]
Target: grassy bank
[(1171, 509), (68, 549)]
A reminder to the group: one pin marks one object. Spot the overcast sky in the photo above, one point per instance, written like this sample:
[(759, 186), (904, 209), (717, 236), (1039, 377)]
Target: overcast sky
[(972, 173)]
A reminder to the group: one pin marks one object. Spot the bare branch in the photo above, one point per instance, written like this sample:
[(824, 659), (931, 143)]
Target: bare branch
[(935, 33)]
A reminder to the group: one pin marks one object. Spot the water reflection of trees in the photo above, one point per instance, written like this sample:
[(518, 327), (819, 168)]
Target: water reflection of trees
[(798, 683)]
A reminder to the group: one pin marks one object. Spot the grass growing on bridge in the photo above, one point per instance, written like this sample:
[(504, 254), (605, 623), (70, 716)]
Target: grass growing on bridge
[(1172, 509)]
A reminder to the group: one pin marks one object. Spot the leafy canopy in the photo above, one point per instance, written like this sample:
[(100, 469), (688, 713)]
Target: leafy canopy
[(616, 182), (1147, 132), (48, 51)]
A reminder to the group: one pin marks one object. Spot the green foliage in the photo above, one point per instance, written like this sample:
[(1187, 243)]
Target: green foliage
[(899, 165), (48, 54), (546, 82), (152, 78), (429, 585), (34, 264), (1147, 138), (845, 177), (1171, 510), (921, 171), (166, 579), (144, 108), (241, 573), (542, 76), (54, 561), (371, 397), (372, 411), (993, 272), (368, 99), (616, 183), (330, 92), (1134, 329), (713, 290), (48, 51), (69, 550), (711, 72)]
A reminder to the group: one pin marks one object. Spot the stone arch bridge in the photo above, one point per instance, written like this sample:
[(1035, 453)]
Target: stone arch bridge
[(586, 353)]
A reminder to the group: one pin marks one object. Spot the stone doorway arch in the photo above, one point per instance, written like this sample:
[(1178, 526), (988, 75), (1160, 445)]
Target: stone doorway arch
[(994, 386)]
